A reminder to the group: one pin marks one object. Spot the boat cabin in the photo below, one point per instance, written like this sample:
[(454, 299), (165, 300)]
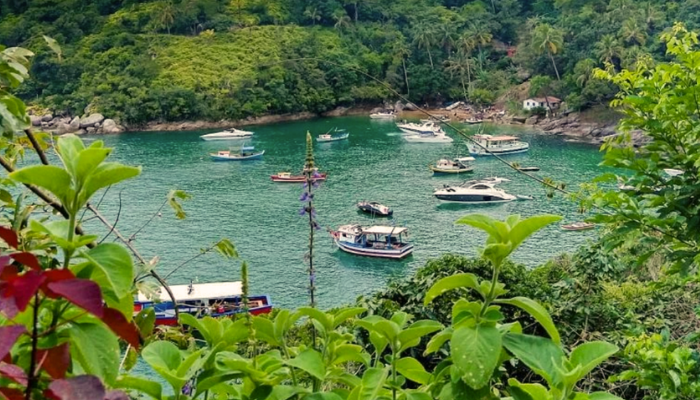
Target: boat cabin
[(325, 136), (496, 141), (376, 237), (223, 153)]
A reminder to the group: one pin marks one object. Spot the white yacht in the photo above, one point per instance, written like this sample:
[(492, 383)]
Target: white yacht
[(228, 134), (425, 128), (430, 138), (497, 145), (383, 115), (478, 192)]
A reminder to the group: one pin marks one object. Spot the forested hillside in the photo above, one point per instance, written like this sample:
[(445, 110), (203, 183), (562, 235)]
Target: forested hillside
[(171, 60)]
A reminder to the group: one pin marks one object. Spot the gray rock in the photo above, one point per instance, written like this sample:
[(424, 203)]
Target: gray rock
[(36, 120), (81, 132), (63, 128), (336, 112), (376, 110), (47, 118), (109, 126), (410, 107), (532, 120), (91, 130), (75, 124), (398, 107), (520, 120), (91, 120), (66, 120)]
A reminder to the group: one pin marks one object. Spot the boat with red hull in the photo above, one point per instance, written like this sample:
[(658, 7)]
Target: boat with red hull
[(219, 299)]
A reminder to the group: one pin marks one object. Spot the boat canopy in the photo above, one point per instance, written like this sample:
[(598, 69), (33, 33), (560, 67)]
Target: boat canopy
[(199, 291), (385, 230), (495, 138), (247, 148)]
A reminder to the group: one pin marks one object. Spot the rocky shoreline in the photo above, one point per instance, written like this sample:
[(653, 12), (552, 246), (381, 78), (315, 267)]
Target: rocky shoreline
[(94, 123)]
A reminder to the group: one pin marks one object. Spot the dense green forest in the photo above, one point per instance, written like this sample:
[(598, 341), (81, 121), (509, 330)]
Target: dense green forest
[(171, 60)]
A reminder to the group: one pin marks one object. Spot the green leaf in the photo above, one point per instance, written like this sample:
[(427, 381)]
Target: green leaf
[(344, 314), (115, 265), (350, 352), (483, 222), (602, 396), (589, 355), (388, 329), (96, 349), (284, 392), (265, 330), (319, 316), (237, 332), (537, 312), (214, 330), (68, 148), (87, 161), (437, 341), (414, 395), (475, 351), (450, 283), (173, 198), (54, 46), (413, 370), (525, 228), (165, 359), (416, 331), (540, 354), (226, 248), (323, 396), (311, 362), (400, 318), (533, 391), (372, 382), (107, 174), (145, 386), (146, 321), (50, 177)]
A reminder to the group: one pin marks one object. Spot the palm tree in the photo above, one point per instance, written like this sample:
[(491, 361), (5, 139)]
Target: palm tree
[(447, 36), (166, 15), (341, 19), (550, 40), (650, 15), (461, 65), (634, 57), (467, 42), (481, 35), (583, 71), (424, 38), (633, 33), (401, 50), (312, 14), (608, 48)]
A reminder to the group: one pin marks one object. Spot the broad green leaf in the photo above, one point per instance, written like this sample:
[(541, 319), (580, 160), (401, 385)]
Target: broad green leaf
[(191, 320), (602, 396), (400, 318), (475, 351), (115, 265), (146, 321), (350, 352), (483, 222), (311, 362), (165, 359), (214, 330), (96, 349), (388, 329), (54, 46), (281, 324), (496, 252), (229, 362), (540, 354), (413, 370), (537, 312), (145, 386), (589, 355), (416, 331), (190, 365), (284, 392), (437, 341), (226, 248), (372, 382), (50, 177), (378, 341), (237, 332), (318, 315), (525, 228), (323, 396), (265, 330), (87, 161), (534, 391), (207, 383), (450, 283), (346, 313), (68, 148), (414, 395), (107, 174)]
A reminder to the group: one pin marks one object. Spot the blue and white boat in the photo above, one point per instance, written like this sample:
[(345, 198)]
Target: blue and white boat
[(496, 145), (218, 299), (245, 153), (374, 241), (341, 134)]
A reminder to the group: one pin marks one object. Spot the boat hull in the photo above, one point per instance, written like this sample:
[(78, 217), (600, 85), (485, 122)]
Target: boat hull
[(529, 169), (478, 151), (428, 139), (578, 228), (373, 211), (334, 139), (165, 312), (295, 179), (473, 198), (211, 139), (256, 156), (395, 254), (437, 170)]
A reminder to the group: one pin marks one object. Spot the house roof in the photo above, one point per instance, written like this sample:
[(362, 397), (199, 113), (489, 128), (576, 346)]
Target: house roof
[(544, 99)]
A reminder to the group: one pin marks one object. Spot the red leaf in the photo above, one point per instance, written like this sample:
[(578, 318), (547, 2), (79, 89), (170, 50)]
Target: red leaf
[(116, 395), (83, 387), (8, 271), (8, 337), (27, 259), (23, 288), (14, 372), (84, 293), (56, 360), (119, 325), (12, 394), (5, 261), (9, 236), (55, 275)]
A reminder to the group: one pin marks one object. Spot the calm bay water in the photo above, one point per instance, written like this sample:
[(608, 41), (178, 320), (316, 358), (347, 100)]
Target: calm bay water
[(239, 201)]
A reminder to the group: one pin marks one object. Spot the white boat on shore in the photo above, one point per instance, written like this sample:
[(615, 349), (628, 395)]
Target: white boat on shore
[(228, 134), (496, 145), (383, 115)]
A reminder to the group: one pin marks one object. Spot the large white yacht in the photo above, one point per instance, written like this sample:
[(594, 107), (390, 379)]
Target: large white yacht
[(474, 192), (228, 134), (425, 128)]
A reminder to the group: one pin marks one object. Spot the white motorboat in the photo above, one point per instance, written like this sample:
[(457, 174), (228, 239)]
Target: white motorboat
[(429, 127), (430, 138), (383, 115), (492, 179), (245, 153), (497, 145), (228, 134), (478, 192)]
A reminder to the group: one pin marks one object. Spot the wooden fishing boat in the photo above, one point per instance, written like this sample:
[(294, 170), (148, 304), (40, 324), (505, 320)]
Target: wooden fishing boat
[(498, 145), (374, 241), (529, 169), (578, 226), (245, 153), (374, 208), (289, 178), (456, 166), (203, 299)]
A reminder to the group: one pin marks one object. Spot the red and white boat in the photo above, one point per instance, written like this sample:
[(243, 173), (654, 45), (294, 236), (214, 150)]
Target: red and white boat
[(288, 177), (374, 241), (203, 299)]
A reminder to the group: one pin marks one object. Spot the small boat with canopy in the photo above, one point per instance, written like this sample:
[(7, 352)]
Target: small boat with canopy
[(456, 166), (375, 241), (218, 299), (497, 145), (245, 153)]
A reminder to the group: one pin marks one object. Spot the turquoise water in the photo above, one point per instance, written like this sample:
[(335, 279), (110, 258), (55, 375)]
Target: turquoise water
[(237, 200)]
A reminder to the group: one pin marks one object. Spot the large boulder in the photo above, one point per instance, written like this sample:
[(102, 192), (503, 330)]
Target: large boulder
[(91, 130), (532, 120), (63, 128), (91, 120), (398, 107), (36, 120), (47, 118), (410, 107), (74, 124), (109, 126), (81, 132)]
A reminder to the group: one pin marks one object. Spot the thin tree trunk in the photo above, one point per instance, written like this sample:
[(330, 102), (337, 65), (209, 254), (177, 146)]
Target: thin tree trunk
[(430, 57), (556, 71), (464, 89), (405, 76), (356, 5), (469, 78)]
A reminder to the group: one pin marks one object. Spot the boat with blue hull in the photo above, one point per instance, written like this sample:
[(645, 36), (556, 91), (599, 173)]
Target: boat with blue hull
[(333, 135), (219, 299), (244, 154), (374, 241), (496, 145)]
